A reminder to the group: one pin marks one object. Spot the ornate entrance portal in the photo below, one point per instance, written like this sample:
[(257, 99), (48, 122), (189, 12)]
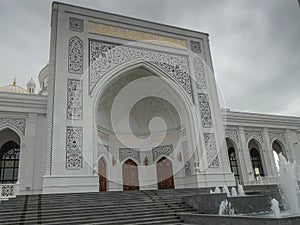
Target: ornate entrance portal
[(130, 176), (164, 174), (102, 175)]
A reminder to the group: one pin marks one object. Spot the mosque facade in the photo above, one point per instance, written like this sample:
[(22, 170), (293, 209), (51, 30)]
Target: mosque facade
[(127, 104)]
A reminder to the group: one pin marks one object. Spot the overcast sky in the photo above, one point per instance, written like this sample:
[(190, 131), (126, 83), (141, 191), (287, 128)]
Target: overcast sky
[(255, 44)]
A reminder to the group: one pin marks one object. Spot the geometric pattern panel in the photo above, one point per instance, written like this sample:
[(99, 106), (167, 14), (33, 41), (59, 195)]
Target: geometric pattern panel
[(19, 124), (129, 152), (211, 150), (204, 110), (195, 47), (74, 147), (74, 99), (199, 73), (75, 55), (7, 190), (104, 57), (76, 24), (162, 150)]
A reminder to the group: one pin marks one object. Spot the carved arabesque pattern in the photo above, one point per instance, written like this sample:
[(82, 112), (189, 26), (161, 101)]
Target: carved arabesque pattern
[(199, 73), (74, 147), (75, 55), (211, 150), (19, 124), (162, 150), (205, 112), (129, 152), (104, 56), (74, 99)]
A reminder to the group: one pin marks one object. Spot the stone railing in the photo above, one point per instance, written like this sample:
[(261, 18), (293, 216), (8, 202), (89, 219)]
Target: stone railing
[(264, 181), (7, 191)]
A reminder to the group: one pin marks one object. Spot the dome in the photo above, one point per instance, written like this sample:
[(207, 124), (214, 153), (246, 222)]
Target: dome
[(13, 88)]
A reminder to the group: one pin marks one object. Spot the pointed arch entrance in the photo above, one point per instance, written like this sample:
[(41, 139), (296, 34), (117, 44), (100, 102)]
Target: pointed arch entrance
[(102, 173), (164, 174), (130, 175)]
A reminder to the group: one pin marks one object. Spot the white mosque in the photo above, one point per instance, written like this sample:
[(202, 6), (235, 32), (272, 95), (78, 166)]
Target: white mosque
[(127, 104)]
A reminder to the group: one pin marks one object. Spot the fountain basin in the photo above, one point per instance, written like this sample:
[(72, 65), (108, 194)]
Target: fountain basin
[(210, 203), (210, 219)]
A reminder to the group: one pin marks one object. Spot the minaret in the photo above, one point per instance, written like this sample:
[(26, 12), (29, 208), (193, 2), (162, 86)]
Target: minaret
[(31, 86)]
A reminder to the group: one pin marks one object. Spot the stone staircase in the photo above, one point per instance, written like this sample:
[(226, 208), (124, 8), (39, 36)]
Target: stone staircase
[(128, 207)]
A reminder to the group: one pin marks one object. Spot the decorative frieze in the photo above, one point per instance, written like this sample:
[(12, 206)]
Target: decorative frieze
[(233, 135), (19, 124), (76, 24), (75, 55), (199, 73), (254, 134), (205, 112), (74, 147), (129, 152), (195, 47), (74, 99), (104, 57), (162, 150), (132, 34), (211, 150)]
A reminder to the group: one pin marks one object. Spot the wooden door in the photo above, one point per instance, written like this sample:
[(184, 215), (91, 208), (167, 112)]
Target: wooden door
[(130, 175), (164, 174), (102, 175)]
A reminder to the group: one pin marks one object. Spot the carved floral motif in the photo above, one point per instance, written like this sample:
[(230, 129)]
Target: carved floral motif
[(205, 112), (104, 57), (75, 55), (74, 99), (129, 152), (159, 150), (74, 147), (211, 150), (199, 73)]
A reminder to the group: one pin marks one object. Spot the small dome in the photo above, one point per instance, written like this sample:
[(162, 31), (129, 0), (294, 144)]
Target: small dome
[(31, 82), (13, 88)]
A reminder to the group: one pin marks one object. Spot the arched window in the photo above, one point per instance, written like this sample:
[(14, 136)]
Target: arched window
[(233, 164), (256, 163), (9, 162), (277, 149)]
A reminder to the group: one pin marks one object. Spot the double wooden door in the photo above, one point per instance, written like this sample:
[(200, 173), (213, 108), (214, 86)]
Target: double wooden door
[(130, 175), (102, 175), (164, 174)]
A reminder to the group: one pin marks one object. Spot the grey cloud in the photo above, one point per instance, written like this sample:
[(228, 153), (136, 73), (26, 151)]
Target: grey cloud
[(254, 43)]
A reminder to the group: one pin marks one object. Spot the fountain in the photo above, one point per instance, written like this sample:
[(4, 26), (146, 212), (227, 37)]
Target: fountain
[(289, 184), (226, 190), (275, 208), (225, 208), (241, 191), (233, 192)]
